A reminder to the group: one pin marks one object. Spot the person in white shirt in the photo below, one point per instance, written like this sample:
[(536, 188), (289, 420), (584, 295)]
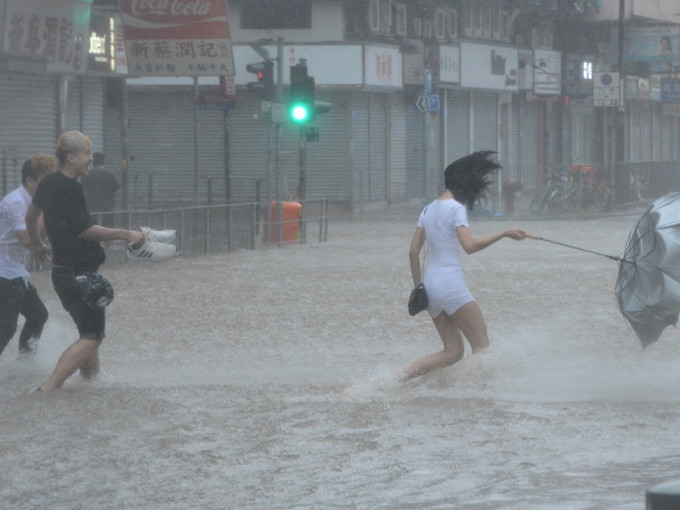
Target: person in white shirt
[(17, 295), (444, 224)]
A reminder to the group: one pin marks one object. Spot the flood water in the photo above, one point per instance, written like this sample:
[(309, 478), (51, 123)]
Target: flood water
[(264, 380)]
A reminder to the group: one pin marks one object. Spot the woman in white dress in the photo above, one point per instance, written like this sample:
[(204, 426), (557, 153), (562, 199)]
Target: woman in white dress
[(444, 225)]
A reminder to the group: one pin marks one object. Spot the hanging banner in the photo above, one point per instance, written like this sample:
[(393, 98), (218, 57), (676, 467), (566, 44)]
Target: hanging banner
[(173, 38), (56, 32)]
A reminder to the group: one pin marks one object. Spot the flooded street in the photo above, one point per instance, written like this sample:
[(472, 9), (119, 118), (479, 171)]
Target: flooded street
[(264, 380)]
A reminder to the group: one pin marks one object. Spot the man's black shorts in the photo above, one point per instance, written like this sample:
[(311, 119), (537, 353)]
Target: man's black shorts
[(90, 321)]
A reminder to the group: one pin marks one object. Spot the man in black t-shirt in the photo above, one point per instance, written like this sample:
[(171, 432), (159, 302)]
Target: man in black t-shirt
[(76, 251)]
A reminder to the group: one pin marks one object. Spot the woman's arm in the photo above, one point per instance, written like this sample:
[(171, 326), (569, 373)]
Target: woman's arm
[(474, 244), (414, 255)]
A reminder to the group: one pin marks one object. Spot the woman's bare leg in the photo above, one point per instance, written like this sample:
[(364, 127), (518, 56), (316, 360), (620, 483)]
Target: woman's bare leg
[(452, 353), (471, 322)]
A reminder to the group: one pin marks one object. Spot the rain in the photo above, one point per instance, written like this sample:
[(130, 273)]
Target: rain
[(251, 373)]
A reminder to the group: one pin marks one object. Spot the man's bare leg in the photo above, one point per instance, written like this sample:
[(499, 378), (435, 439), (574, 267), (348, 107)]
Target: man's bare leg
[(90, 369), (73, 358)]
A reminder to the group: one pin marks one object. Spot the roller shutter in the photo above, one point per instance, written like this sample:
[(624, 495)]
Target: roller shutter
[(485, 111), (369, 146), (415, 162), (161, 144), (85, 109), (397, 161), (327, 168), (528, 137), (458, 124), (360, 146), (377, 137), (248, 148), (31, 102)]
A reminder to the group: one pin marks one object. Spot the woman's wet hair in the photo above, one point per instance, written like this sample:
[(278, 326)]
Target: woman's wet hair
[(467, 177)]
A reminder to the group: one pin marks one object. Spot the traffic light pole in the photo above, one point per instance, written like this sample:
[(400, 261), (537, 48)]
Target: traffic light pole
[(302, 185)]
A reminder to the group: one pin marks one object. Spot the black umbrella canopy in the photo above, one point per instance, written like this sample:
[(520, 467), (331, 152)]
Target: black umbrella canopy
[(648, 284)]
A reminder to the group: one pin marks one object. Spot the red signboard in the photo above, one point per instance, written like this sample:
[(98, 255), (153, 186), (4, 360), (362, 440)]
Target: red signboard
[(177, 37)]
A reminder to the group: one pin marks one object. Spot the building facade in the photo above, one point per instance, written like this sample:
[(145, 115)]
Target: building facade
[(413, 86)]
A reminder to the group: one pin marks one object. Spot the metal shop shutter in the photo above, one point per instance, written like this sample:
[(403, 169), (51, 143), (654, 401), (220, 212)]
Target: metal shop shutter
[(85, 109), (360, 148), (526, 131), (31, 102), (327, 159), (458, 127), (161, 142), (369, 146), (377, 140), (415, 161), (397, 141), (248, 147), (211, 153), (485, 115)]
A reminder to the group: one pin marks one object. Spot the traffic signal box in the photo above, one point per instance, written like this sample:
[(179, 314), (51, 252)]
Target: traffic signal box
[(264, 85), (301, 101)]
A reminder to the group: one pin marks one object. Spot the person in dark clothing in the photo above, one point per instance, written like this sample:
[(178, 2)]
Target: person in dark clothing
[(76, 251), (17, 295), (100, 187)]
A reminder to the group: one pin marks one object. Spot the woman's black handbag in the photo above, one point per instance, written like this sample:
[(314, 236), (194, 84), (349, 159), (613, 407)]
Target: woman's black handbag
[(417, 302)]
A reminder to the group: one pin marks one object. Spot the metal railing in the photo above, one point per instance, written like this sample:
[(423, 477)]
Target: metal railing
[(209, 230)]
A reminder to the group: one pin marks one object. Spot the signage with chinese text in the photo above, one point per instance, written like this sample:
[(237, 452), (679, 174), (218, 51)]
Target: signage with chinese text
[(188, 38), (56, 31)]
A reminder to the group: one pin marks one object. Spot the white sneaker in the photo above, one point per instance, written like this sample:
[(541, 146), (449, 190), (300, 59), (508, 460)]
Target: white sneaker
[(160, 236), (151, 250)]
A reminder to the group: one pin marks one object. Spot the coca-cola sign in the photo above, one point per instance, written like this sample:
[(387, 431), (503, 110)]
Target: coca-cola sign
[(170, 7), (177, 37)]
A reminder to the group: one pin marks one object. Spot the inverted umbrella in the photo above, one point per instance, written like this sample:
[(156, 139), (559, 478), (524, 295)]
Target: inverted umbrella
[(648, 285)]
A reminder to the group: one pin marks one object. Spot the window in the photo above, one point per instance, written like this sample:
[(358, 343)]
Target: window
[(374, 15), (586, 70), (274, 14), (440, 24), (401, 19), (452, 23)]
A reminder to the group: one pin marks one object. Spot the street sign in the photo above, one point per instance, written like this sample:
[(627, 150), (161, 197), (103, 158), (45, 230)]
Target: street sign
[(429, 87), (606, 89), (428, 103), (217, 105)]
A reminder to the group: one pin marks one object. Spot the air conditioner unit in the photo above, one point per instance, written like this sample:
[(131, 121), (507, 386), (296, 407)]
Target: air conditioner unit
[(401, 19)]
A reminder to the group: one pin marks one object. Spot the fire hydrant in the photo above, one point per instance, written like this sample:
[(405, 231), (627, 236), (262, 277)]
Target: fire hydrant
[(510, 189)]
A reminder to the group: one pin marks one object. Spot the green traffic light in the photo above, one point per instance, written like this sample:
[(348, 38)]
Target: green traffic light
[(299, 113)]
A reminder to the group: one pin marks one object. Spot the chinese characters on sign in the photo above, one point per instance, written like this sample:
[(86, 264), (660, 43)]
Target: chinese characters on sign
[(177, 38), (56, 31), (383, 66)]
